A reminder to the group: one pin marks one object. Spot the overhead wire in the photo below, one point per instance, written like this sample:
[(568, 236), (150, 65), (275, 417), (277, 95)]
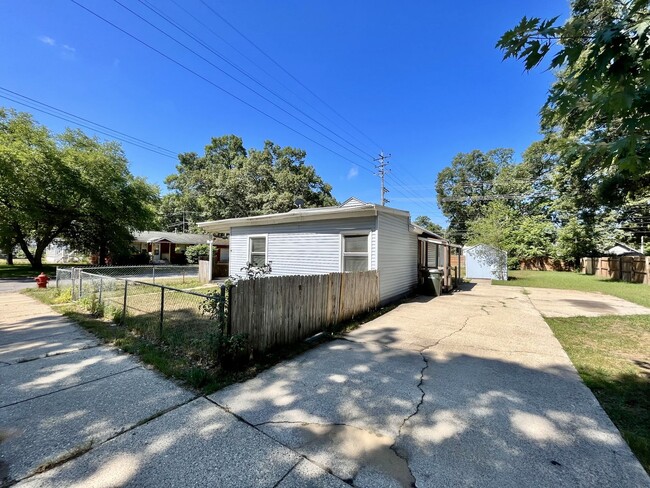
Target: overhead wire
[(220, 88), (172, 153), (265, 71), (279, 107), (67, 119), (289, 73), (221, 56)]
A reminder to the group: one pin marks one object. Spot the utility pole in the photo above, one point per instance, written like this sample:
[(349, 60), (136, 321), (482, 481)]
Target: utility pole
[(381, 172)]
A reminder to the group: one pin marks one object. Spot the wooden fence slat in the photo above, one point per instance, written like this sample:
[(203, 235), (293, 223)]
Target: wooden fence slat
[(280, 310)]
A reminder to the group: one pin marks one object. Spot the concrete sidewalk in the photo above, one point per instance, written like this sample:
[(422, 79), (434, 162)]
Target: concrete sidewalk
[(83, 414)]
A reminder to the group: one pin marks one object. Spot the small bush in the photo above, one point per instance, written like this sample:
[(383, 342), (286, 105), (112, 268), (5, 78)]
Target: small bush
[(63, 296), (92, 304), (194, 253)]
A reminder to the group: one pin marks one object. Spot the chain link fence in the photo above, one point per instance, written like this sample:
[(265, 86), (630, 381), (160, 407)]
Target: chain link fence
[(155, 312)]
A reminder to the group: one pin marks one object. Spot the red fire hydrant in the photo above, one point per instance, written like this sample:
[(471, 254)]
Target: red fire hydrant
[(41, 280)]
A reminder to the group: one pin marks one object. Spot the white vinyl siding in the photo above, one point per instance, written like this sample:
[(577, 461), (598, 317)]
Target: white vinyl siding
[(397, 257), (302, 248)]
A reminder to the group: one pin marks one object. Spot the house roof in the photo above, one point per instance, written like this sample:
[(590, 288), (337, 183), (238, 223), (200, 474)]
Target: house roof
[(421, 230), (349, 209), (174, 237), (620, 248)]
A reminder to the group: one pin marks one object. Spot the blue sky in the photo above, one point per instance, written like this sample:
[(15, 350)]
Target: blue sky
[(422, 79)]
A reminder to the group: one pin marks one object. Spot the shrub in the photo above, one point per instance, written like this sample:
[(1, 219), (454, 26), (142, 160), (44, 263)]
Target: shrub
[(194, 253)]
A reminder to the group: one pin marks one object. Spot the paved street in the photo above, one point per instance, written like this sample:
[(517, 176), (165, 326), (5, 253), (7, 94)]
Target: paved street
[(469, 389)]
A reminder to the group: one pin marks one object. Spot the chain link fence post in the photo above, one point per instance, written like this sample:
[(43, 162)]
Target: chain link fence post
[(72, 274), (126, 286), (101, 288), (162, 310), (153, 274)]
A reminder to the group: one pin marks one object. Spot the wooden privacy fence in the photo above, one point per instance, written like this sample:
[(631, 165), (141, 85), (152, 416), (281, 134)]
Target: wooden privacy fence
[(280, 310), (634, 269)]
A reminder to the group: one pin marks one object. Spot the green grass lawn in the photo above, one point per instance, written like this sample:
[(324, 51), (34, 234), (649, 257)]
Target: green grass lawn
[(612, 355), (565, 280)]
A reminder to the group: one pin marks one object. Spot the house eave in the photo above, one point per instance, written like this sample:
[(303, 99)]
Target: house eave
[(296, 216)]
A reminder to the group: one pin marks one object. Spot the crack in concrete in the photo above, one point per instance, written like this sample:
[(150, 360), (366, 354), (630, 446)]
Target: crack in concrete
[(419, 386), (287, 473)]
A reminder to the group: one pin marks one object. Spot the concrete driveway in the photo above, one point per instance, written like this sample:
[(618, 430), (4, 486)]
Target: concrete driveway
[(469, 389)]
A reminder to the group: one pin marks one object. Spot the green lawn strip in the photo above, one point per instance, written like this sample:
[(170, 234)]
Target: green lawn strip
[(566, 280), (612, 356)]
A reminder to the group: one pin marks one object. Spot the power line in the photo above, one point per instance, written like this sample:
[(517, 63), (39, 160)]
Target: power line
[(289, 74), (252, 78), (279, 107), (172, 153), (266, 72), (67, 119), (207, 80)]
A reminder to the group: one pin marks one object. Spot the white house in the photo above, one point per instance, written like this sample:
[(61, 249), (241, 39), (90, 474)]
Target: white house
[(355, 236)]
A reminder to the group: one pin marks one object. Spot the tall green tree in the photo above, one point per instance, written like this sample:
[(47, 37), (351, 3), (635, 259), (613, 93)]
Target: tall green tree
[(68, 186), (522, 236), (467, 186), (230, 181), (600, 102), (115, 202)]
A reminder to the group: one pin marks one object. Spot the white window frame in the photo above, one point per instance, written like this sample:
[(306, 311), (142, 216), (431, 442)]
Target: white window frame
[(250, 247), (342, 236)]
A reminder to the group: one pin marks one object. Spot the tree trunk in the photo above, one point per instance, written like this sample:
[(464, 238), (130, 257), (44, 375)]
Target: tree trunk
[(103, 252), (10, 257)]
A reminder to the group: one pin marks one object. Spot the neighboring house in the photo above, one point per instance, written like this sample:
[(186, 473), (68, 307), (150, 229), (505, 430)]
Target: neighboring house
[(355, 236), (168, 246), (620, 249), (486, 262)]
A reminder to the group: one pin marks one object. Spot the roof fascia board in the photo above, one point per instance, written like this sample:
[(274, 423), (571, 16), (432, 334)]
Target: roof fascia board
[(289, 217)]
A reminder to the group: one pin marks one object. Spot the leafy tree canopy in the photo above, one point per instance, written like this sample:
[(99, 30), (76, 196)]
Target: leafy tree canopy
[(600, 102), (69, 186), (467, 186), (229, 181)]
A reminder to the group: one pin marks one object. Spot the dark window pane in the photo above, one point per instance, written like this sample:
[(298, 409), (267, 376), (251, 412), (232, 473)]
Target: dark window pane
[(258, 244), (356, 243), (257, 259), (355, 263)]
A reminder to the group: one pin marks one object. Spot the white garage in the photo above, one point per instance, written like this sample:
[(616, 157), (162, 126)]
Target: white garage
[(487, 262)]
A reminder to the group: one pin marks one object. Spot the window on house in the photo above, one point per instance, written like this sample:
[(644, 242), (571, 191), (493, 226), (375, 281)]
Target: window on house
[(257, 255), (355, 252)]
